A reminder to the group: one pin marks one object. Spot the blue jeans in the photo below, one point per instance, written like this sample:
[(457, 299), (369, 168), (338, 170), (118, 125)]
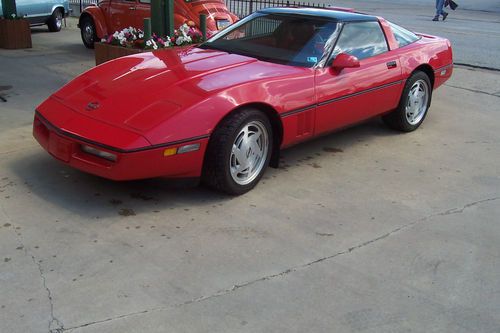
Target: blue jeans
[(439, 7)]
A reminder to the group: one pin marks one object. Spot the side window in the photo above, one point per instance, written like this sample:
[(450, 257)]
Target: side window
[(362, 40), (403, 36)]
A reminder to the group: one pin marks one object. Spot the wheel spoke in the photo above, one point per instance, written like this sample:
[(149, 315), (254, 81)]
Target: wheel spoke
[(239, 155)]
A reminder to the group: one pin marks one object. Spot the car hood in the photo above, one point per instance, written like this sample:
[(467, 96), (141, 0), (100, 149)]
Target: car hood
[(141, 90)]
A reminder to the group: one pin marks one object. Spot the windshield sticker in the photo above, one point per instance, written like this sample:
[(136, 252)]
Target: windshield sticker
[(312, 59)]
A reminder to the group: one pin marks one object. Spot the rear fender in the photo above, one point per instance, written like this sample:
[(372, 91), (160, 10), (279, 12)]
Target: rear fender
[(99, 21)]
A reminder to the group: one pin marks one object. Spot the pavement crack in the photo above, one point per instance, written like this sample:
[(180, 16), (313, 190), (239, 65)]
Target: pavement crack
[(236, 287), (55, 325), (346, 251), (109, 319), (472, 90), (462, 209)]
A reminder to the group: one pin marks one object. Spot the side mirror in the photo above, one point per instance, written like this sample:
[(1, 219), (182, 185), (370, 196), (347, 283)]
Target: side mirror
[(344, 60)]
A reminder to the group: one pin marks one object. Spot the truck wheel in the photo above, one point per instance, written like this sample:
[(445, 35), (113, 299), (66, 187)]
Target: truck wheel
[(55, 21), (87, 30)]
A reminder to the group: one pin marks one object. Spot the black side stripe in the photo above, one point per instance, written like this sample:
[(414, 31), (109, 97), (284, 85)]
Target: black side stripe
[(292, 112), (119, 150), (289, 113)]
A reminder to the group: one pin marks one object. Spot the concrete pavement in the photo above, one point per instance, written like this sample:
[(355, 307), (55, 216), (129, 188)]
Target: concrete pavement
[(366, 230)]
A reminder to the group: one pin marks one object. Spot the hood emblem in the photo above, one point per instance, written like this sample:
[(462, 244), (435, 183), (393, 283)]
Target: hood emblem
[(92, 106)]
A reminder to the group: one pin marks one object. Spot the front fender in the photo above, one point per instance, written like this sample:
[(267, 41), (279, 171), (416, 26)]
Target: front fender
[(98, 17)]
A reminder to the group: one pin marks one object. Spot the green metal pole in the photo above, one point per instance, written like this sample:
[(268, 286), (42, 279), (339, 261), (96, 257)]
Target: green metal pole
[(203, 26), (169, 17), (147, 28), (157, 17), (9, 8)]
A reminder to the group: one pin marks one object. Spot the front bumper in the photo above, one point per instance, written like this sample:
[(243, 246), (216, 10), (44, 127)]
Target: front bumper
[(129, 165)]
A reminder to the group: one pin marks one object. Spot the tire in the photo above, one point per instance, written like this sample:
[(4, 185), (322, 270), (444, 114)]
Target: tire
[(55, 21), (238, 152), (413, 105), (88, 32)]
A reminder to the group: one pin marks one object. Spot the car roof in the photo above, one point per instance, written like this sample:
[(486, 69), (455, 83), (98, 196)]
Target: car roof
[(336, 15)]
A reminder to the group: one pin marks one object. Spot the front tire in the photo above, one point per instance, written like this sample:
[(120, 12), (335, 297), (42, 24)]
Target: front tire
[(238, 152), (413, 105), (55, 20), (88, 32)]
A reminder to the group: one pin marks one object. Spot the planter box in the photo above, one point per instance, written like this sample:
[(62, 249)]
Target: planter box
[(106, 52), (15, 34)]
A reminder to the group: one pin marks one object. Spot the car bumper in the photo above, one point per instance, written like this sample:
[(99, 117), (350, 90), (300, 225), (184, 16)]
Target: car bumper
[(149, 162)]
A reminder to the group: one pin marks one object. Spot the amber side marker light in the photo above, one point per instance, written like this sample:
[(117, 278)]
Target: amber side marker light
[(181, 150), (170, 151), (100, 153)]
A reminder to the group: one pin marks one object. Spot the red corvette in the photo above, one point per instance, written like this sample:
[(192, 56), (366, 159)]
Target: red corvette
[(223, 110)]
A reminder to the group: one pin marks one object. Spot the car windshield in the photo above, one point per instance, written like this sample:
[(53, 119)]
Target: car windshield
[(285, 39)]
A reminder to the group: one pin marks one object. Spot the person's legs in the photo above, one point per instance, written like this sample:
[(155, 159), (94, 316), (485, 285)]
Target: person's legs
[(439, 10), (439, 7)]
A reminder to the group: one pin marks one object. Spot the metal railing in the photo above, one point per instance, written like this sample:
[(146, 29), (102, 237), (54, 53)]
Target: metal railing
[(79, 5), (241, 8)]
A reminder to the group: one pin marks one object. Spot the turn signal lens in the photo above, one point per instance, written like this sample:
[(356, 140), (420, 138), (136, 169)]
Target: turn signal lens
[(99, 153), (170, 151)]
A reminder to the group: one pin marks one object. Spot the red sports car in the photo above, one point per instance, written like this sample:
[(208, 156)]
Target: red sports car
[(223, 110)]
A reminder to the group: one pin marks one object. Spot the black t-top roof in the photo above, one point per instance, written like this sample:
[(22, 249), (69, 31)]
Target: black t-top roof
[(335, 15)]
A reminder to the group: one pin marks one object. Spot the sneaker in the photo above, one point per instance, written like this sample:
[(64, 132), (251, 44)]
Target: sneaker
[(444, 16), (436, 18)]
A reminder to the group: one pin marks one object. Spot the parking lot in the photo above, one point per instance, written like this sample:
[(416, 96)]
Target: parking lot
[(364, 230)]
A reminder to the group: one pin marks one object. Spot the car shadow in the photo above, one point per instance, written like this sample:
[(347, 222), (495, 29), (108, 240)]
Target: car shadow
[(94, 197), (336, 142)]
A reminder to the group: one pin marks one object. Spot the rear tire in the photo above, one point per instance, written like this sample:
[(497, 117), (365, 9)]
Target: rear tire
[(55, 21), (238, 152), (88, 32), (413, 105)]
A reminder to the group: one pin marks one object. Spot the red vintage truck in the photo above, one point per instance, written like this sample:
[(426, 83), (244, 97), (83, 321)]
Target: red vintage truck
[(109, 16)]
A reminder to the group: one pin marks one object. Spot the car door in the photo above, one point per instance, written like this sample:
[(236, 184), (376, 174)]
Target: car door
[(36, 11), (352, 95), (122, 15)]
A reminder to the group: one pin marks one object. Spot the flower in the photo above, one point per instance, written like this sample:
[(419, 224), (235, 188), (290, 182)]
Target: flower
[(131, 37)]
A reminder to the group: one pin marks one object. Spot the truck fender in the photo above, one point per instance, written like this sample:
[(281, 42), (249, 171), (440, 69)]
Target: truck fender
[(65, 12)]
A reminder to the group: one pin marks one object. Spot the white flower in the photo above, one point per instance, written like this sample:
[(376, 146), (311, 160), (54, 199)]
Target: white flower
[(184, 29), (148, 43)]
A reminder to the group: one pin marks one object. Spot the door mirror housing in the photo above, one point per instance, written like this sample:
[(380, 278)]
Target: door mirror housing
[(344, 60)]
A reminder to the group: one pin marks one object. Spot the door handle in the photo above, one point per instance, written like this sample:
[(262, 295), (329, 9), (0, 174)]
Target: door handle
[(392, 64), (131, 8)]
